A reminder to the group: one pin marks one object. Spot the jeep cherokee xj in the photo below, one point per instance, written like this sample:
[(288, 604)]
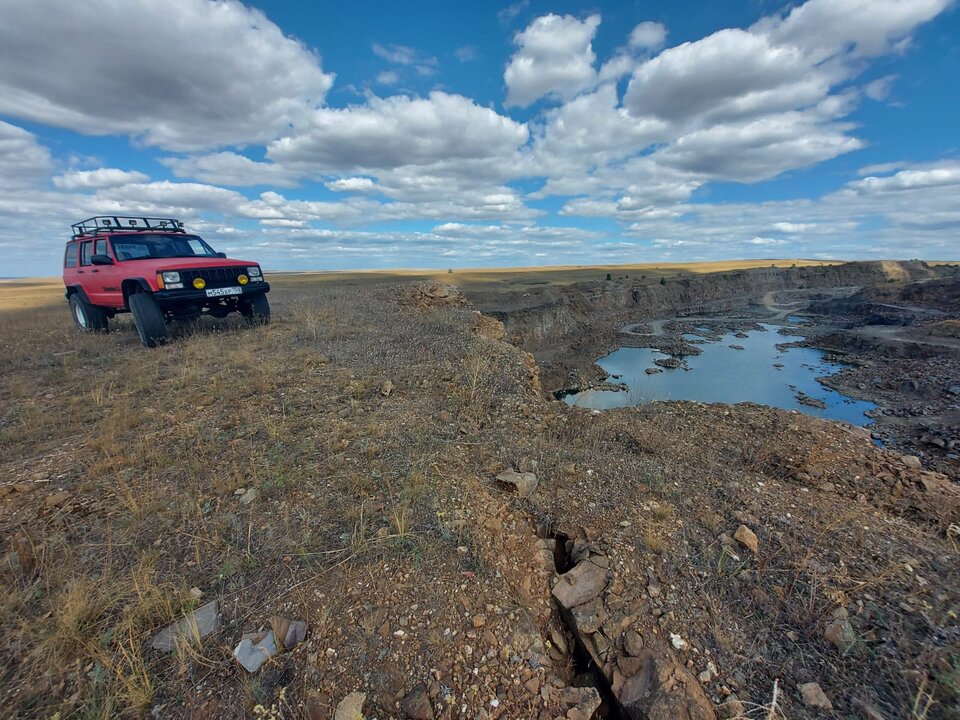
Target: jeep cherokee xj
[(154, 269)]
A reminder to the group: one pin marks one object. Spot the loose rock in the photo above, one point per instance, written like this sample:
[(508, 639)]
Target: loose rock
[(813, 696), (195, 626), (580, 585), (255, 649), (525, 483), (417, 704), (351, 707), (746, 537)]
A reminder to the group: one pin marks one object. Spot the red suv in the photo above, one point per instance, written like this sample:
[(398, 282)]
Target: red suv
[(154, 269)]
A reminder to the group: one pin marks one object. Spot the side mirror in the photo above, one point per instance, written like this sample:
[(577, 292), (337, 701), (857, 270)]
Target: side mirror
[(101, 260), (221, 255)]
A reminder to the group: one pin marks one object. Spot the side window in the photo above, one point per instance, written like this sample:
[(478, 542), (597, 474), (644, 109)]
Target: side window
[(70, 258), (100, 247), (85, 252)]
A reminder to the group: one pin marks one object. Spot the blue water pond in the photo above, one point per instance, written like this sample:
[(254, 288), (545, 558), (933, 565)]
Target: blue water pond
[(722, 374)]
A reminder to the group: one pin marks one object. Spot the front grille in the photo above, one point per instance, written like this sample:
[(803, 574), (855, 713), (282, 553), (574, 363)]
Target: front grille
[(214, 277)]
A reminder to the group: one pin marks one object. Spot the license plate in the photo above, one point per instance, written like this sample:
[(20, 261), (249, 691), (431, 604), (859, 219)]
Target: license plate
[(220, 292)]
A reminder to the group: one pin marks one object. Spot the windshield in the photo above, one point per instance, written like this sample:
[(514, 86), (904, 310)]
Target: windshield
[(155, 245)]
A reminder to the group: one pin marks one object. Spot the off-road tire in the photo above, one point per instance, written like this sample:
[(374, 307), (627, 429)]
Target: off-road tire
[(87, 317), (256, 310), (148, 318)]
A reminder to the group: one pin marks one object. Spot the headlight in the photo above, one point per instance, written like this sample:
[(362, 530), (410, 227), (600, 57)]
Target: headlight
[(171, 277), (253, 272), (199, 283), (242, 279)]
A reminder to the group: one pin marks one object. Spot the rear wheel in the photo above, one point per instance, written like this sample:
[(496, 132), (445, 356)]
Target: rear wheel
[(87, 317), (256, 310), (148, 318)]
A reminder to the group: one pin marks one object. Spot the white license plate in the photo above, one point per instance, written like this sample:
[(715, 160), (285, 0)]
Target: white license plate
[(220, 292)]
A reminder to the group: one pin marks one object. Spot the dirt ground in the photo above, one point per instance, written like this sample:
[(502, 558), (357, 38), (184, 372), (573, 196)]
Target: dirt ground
[(340, 466)]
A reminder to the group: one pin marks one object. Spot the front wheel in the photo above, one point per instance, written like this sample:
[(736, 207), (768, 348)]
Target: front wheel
[(148, 317), (87, 317), (256, 310)]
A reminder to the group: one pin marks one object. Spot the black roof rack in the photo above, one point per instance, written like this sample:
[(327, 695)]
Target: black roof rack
[(122, 223)]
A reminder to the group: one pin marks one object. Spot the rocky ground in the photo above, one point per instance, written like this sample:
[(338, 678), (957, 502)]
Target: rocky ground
[(382, 466)]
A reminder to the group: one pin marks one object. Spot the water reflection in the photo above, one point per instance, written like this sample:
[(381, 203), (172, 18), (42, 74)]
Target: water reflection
[(758, 373)]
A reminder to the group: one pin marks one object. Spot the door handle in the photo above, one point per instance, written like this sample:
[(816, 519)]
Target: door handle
[(94, 271)]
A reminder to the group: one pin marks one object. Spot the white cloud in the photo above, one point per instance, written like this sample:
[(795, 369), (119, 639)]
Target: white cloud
[(23, 160), (388, 77), (738, 105), (758, 240), (730, 74), (508, 14), (934, 175), (165, 197), (199, 75), (879, 89), (759, 149), (648, 36), (404, 55), (352, 184), (467, 53), (229, 168), (100, 178), (399, 131), (852, 28), (554, 58), (793, 227)]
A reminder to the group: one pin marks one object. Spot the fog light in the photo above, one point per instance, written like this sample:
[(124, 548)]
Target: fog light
[(199, 283), (242, 279)]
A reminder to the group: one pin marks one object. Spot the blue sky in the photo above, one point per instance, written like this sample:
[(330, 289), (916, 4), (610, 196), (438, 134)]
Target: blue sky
[(424, 134)]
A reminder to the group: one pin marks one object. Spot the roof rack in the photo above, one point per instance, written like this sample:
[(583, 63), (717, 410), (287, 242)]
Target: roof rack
[(122, 223)]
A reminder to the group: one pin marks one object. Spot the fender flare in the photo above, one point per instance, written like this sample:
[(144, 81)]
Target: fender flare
[(78, 290), (132, 285)]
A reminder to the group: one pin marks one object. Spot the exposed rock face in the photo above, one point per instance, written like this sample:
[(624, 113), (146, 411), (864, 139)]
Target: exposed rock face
[(647, 682), (537, 319)]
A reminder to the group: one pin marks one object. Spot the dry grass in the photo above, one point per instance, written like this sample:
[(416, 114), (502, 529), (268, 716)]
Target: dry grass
[(150, 447), (365, 502)]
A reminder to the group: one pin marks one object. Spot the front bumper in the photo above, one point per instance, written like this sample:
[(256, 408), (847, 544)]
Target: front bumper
[(195, 297)]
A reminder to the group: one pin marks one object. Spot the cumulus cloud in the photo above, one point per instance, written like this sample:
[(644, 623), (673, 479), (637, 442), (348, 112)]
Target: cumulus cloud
[(759, 149), (730, 74), (100, 178), (399, 131), (352, 184), (648, 36), (554, 58), (934, 175), (230, 168), (853, 28), (23, 160), (740, 105), (200, 75)]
